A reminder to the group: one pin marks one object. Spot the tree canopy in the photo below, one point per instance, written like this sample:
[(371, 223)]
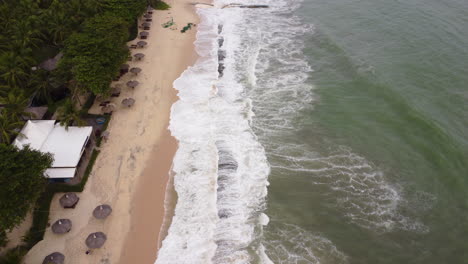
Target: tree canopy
[(21, 182)]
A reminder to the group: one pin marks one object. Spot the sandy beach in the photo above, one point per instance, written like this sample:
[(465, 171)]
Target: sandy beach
[(132, 170)]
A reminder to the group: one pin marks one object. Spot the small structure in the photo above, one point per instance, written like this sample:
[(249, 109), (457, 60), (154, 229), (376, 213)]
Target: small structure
[(124, 69), (96, 240), (144, 34), (147, 15), (146, 25), (132, 84), (37, 112), (62, 226), (139, 56), (102, 211), (69, 200), (54, 258), (51, 64), (66, 145), (128, 102), (142, 43), (135, 70)]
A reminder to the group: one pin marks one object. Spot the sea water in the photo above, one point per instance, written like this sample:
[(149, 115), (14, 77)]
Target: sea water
[(323, 132)]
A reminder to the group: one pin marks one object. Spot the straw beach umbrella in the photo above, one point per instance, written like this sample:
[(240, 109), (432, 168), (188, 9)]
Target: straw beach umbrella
[(144, 34), (102, 211), (62, 226), (128, 102), (132, 84), (135, 70), (124, 68), (109, 108), (69, 200), (96, 240), (142, 43), (139, 56), (54, 258), (147, 16)]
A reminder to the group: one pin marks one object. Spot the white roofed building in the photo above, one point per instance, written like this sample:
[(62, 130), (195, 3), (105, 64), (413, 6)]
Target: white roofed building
[(66, 145)]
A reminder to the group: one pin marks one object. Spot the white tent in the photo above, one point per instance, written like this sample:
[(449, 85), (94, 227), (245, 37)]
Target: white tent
[(66, 146)]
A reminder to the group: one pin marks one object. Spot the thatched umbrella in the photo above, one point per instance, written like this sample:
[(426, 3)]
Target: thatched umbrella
[(96, 240), (105, 135), (147, 16), (54, 258), (109, 108), (144, 34), (132, 84), (102, 211), (124, 68), (128, 102), (69, 200), (115, 91), (62, 226), (142, 43), (139, 56), (135, 70), (146, 24)]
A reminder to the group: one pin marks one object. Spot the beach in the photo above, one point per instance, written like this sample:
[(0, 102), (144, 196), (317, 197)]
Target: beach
[(132, 170)]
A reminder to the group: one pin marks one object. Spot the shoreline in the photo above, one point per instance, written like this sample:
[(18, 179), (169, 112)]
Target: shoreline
[(149, 220), (132, 171)]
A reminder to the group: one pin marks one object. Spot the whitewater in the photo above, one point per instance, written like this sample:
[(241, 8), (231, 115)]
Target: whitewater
[(220, 169)]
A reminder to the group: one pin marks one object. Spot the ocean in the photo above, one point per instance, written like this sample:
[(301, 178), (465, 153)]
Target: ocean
[(323, 132)]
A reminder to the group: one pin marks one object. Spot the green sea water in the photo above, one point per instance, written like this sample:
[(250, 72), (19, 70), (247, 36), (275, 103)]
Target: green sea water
[(374, 168)]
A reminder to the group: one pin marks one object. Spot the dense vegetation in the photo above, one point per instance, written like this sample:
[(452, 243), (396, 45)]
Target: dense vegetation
[(92, 36), (21, 183)]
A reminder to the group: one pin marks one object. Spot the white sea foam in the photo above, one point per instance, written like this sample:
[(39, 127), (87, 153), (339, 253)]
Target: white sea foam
[(220, 168)]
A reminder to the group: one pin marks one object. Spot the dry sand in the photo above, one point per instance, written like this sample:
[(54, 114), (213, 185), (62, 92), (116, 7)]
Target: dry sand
[(132, 169)]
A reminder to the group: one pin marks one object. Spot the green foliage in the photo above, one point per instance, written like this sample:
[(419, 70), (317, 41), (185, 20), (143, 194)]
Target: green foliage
[(13, 256), (160, 5), (95, 55), (8, 128), (21, 182), (68, 114)]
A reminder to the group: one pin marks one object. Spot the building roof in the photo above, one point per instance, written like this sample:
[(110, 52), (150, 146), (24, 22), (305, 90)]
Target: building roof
[(66, 146)]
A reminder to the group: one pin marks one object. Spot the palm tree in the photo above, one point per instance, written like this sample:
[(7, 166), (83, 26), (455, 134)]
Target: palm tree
[(14, 68), (8, 127), (41, 82), (68, 114), (15, 104)]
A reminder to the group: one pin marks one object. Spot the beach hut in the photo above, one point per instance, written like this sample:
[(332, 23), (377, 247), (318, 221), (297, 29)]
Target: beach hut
[(132, 84), (62, 226), (142, 43), (96, 240), (102, 211), (128, 102), (144, 34), (69, 200), (139, 56), (54, 258), (135, 70)]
